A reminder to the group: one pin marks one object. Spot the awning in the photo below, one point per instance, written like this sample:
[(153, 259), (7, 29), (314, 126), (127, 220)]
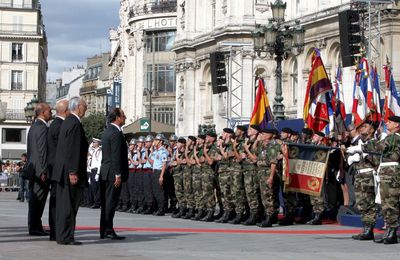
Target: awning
[(134, 129)]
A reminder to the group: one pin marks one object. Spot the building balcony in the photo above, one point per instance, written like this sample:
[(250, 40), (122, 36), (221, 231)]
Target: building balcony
[(153, 7), (19, 29), (15, 114)]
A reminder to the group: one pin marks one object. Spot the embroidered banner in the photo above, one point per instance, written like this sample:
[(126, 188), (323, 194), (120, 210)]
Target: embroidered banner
[(305, 167)]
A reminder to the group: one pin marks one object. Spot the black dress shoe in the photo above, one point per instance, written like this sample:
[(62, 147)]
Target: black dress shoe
[(71, 243), (95, 207), (113, 236), (39, 233)]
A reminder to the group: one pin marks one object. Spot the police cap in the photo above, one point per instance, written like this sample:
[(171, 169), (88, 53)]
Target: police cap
[(149, 138)]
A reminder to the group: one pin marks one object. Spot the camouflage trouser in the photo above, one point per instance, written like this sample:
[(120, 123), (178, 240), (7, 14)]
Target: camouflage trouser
[(177, 174), (251, 187), (238, 193), (208, 186), (188, 188), (197, 188), (318, 202), (225, 182), (365, 196), (267, 194), (390, 194)]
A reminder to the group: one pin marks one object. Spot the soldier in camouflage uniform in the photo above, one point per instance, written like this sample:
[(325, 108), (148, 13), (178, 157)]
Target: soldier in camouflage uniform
[(250, 174), (389, 177), (224, 175), (238, 192), (364, 182), (177, 173), (198, 156), (318, 201), (208, 176), (267, 155), (187, 177)]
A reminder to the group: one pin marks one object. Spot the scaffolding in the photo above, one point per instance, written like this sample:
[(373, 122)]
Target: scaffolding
[(370, 24)]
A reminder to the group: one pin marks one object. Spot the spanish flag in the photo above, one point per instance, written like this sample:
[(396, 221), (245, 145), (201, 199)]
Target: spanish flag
[(262, 113), (317, 104)]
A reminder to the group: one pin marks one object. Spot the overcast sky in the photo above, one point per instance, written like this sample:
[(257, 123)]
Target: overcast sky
[(77, 29)]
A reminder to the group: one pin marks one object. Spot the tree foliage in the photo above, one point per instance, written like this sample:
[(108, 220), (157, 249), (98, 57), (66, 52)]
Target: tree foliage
[(94, 125)]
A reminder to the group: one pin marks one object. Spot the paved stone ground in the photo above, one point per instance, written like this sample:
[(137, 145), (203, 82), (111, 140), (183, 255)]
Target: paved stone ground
[(150, 237)]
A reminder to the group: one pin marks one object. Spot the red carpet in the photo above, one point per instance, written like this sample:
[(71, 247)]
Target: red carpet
[(231, 231)]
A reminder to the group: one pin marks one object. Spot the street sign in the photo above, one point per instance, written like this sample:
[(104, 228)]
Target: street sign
[(144, 125)]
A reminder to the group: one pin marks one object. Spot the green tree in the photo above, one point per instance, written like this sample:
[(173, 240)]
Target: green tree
[(94, 125)]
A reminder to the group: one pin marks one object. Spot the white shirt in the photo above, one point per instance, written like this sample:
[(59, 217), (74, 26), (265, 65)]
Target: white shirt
[(117, 126), (76, 116), (63, 118), (47, 124), (96, 159)]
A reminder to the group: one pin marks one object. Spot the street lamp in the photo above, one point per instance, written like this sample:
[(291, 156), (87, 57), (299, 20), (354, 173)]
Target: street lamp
[(29, 110), (150, 93), (279, 40)]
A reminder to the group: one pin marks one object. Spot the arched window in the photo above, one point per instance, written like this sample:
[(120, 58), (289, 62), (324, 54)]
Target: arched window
[(294, 81)]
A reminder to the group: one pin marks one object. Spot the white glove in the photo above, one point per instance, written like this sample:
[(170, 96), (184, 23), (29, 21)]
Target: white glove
[(97, 177), (354, 149), (354, 158), (88, 180)]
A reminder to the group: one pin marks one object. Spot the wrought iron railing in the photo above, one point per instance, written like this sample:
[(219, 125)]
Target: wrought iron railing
[(15, 114), (153, 7)]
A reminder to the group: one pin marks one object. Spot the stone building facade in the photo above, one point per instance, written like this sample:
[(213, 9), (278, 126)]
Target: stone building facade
[(142, 58), (226, 25), (23, 68)]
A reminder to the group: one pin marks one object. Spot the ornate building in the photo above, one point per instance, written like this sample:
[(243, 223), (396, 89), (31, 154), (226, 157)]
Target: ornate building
[(23, 68), (142, 58), (226, 25)]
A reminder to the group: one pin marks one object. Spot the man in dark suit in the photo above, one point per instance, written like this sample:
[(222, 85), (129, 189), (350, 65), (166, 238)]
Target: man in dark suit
[(52, 140), (70, 171), (37, 163), (114, 171)]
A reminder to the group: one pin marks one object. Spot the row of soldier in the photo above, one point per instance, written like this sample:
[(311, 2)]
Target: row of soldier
[(241, 171)]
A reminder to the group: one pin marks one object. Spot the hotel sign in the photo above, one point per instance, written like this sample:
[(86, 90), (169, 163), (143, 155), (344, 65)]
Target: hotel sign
[(157, 23)]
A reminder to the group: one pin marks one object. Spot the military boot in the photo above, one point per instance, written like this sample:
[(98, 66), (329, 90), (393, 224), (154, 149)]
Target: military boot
[(251, 220), (209, 217), (392, 237), (180, 213), (317, 220), (189, 214), (148, 211), (367, 233), (225, 218), (239, 218), (288, 220), (139, 210), (266, 222), (384, 236), (200, 214)]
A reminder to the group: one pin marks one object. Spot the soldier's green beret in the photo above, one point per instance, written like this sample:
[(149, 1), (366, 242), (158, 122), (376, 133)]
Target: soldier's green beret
[(228, 130)]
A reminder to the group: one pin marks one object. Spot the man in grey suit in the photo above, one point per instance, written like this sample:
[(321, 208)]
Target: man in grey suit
[(70, 172), (38, 165)]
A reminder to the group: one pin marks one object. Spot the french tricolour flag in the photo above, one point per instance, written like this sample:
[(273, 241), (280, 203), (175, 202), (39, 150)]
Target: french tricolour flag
[(391, 106)]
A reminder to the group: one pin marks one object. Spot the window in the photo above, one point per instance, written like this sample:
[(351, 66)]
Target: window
[(13, 135), (294, 82), (16, 80), (16, 52), (162, 41), (165, 115), (164, 78)]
